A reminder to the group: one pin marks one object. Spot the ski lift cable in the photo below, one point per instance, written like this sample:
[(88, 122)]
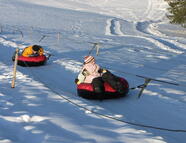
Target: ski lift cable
[(106, 116), (113, 118), (117, 119), (110, 117)]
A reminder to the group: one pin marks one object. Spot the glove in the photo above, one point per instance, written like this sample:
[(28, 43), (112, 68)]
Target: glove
[(102, 70), (85, 72), (77, 81)]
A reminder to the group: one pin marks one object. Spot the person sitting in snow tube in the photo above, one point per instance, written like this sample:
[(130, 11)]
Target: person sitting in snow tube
[(94, 82), (33, 51), (32, 56)]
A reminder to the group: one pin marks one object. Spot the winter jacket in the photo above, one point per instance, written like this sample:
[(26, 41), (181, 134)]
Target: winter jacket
[(27, 52), (90, 71)]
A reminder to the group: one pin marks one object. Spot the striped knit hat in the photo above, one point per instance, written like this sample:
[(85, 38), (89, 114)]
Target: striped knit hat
[(88, 59)]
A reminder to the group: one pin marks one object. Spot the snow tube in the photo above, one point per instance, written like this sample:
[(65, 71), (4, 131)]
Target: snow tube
[(86, 90), (31, 61)]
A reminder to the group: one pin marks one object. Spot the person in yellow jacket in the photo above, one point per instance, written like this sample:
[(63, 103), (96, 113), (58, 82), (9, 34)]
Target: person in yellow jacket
[(33, 51)]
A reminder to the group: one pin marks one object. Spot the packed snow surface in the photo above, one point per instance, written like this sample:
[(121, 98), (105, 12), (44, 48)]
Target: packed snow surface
[(135, 41)]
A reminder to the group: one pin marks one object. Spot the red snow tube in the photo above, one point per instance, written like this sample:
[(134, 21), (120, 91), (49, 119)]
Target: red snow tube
[(86, 90), (32, 61)]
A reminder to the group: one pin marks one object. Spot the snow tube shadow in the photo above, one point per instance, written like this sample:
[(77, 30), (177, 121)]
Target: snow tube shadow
[(85, 90), (31, 61)]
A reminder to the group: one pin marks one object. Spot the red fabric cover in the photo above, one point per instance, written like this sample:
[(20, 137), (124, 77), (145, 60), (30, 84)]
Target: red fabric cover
[(108, 88), (85, 86), (32, 59)]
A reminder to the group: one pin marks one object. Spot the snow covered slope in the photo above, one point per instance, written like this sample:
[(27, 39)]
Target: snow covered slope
[(44, 106)]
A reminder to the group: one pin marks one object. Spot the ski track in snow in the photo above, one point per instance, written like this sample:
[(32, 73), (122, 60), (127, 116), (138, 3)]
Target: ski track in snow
[(113, 28), (164, 45), (152, 5), (151, 33)]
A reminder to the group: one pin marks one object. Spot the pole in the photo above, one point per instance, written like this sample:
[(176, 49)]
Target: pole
[(1, 29), (58, 36), (147, 80), (15, 68), (97, 49), (31, 31), (95, 45), (42, 38)]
